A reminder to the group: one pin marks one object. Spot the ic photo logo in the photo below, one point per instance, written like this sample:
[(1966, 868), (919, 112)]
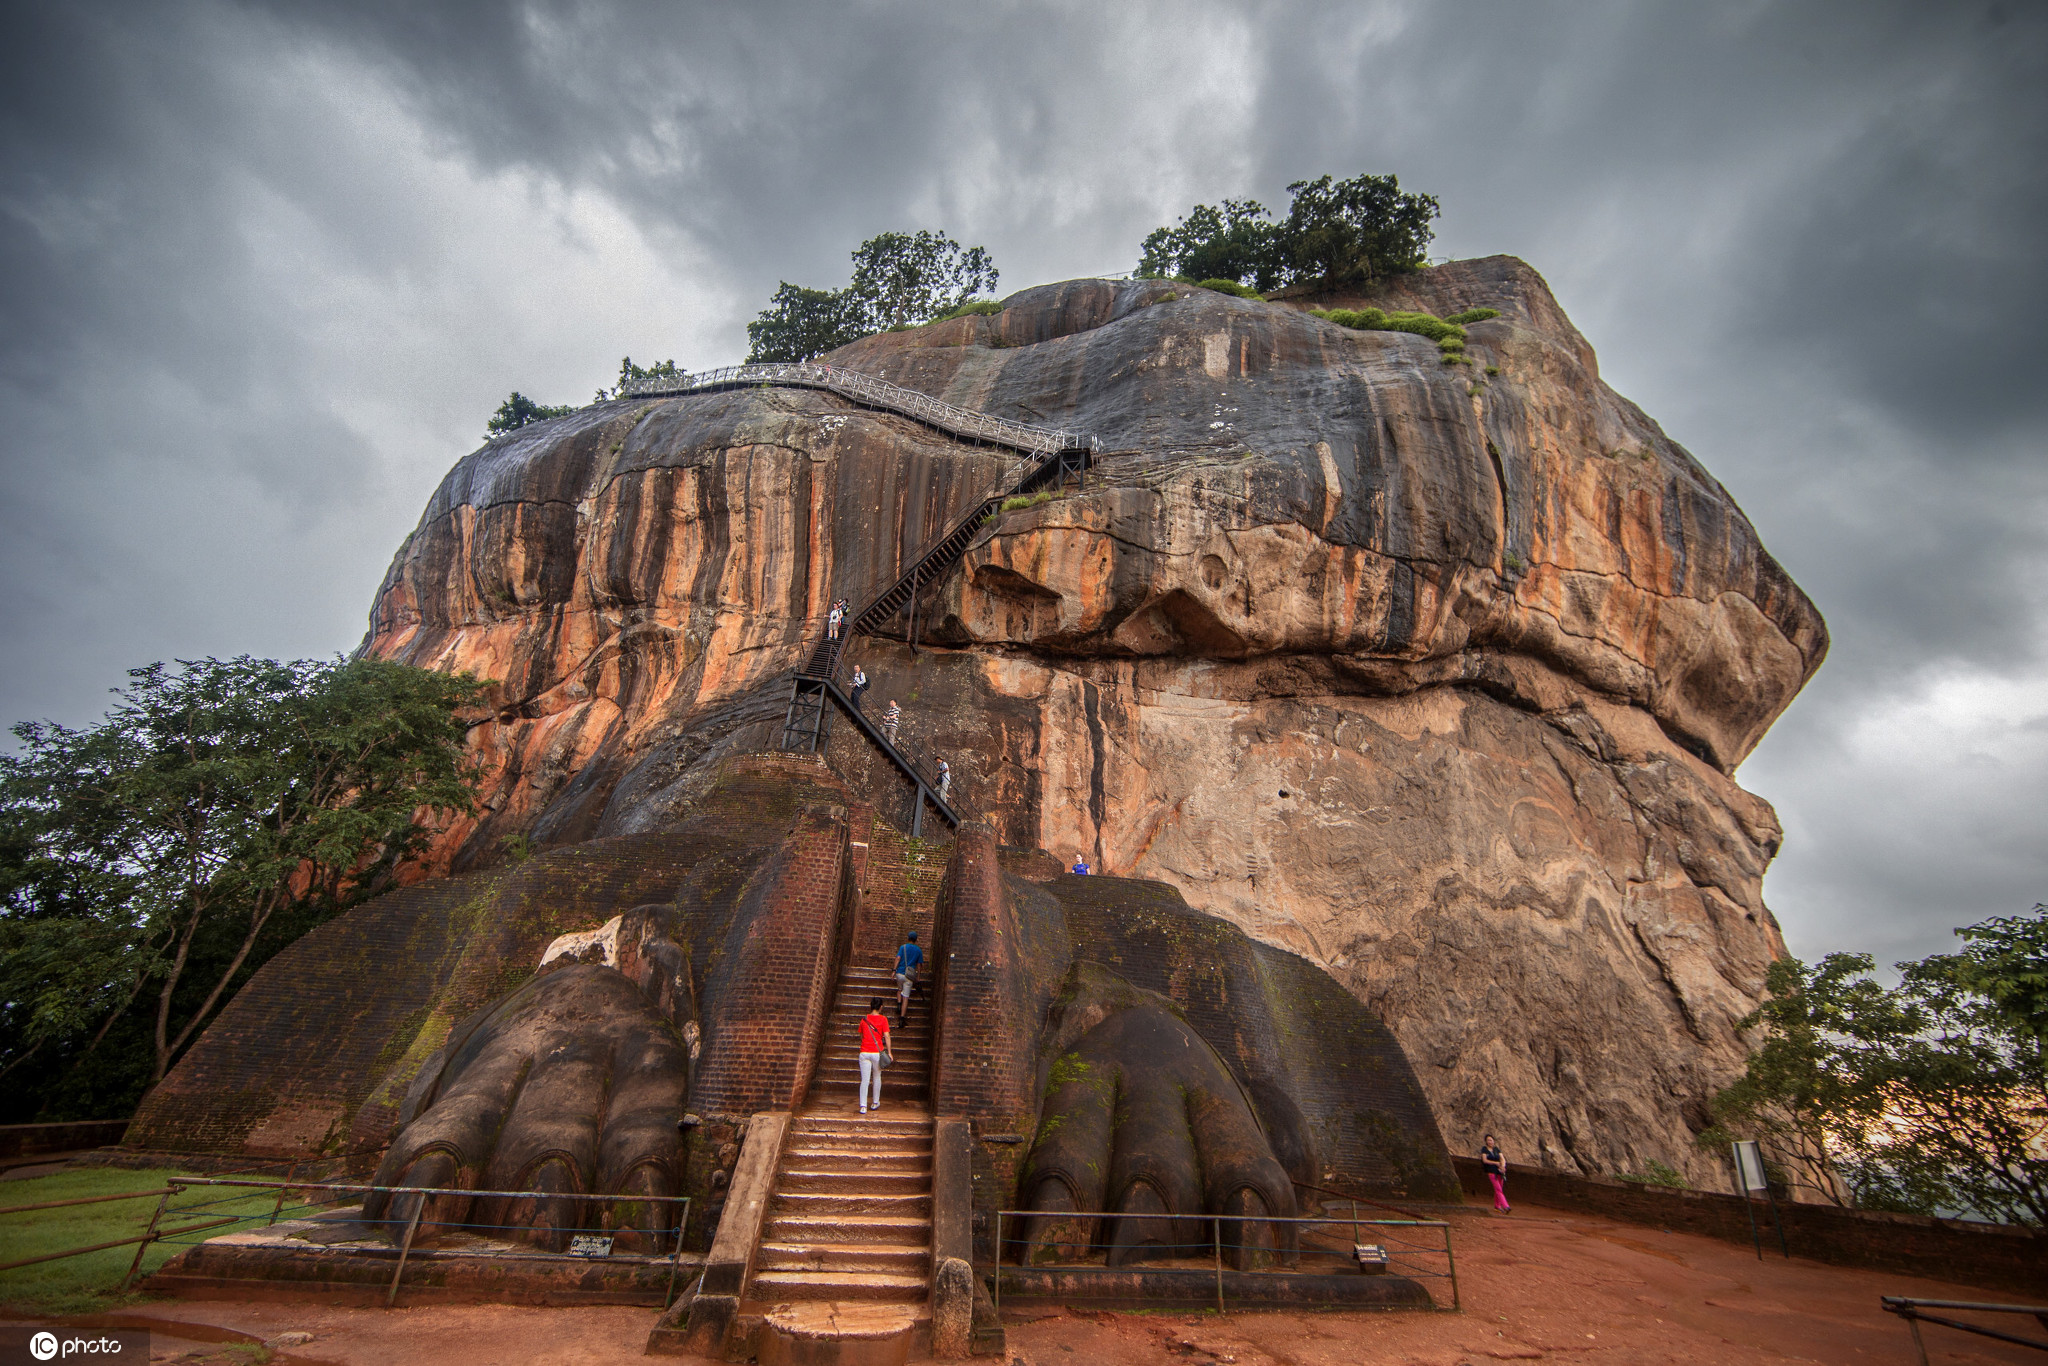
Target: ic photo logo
[(42, 1344)]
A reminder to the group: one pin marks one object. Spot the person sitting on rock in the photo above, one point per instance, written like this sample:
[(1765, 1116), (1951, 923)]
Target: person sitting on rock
[(874, 1046)]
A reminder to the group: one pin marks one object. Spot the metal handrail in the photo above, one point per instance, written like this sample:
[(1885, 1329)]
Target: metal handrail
[(1216, 1222), (1915, 1311), (879, 393)]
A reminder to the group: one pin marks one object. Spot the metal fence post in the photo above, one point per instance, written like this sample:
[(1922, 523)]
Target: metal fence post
[(405, 1251), (1216, 1241), (148, 1236)]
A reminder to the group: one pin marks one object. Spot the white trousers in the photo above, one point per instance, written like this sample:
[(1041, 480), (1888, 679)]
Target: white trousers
[(870, 1074)]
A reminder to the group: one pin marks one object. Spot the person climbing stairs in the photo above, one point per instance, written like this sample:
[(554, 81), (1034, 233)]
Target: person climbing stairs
[(851, 1218)]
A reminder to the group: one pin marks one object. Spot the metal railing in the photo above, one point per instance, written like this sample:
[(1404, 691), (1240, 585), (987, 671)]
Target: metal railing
[(1913, 1312), (417, 1220), (877, 393), (1406, 1247)]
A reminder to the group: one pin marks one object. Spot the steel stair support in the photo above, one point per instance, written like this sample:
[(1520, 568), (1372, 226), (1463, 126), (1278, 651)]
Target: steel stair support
[(825, 690)]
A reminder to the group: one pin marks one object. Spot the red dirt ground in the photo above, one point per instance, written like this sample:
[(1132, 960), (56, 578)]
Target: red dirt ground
[(1538, 1286)]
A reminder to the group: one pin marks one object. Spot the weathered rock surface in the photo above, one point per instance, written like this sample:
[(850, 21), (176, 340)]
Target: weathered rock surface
[(1435, 676)]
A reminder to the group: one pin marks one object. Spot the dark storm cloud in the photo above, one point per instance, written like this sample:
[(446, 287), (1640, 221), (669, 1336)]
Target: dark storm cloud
[(267, 266)]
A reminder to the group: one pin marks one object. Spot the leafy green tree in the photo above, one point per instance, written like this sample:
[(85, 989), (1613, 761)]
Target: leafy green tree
[(518, 410), (1929, 1096), (1355, 231), (1237, 242), (1336, 232), (900, 279), (802, 324), (628, 372), (216, 801)]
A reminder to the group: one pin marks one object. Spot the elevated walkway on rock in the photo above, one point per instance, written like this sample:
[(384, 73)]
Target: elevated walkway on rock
[(870, 392), (1059, 454)]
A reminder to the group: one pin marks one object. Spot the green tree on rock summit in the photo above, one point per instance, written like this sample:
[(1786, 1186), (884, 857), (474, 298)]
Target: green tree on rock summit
[(900, 279), (1336, 232)]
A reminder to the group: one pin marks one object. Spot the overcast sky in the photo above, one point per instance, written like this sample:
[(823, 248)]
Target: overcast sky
[(265, 270)]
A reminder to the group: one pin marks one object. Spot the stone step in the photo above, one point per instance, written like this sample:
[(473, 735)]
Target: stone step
[(849, 1056), (865, 1229), (850, 1072), (853, 1125), (836, 1205), (812, 1181), (901, 1259), (836, 1159), (891, 1146), (837, 1285)]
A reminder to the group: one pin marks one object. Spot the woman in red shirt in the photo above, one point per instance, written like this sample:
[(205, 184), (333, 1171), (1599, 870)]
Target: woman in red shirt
[(874, 1045)]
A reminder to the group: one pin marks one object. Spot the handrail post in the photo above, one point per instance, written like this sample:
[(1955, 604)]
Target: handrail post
[(148, 1236), (405, 1251), (1216, 1239)]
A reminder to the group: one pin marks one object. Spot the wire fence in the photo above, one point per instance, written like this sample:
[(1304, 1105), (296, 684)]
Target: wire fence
[(1914, 1312), (469, 1237), (1417, 1249), (866, 389), (225, 1204)]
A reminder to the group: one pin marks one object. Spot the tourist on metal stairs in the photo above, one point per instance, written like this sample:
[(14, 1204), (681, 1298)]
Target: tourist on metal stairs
[(945, 781), (832, 620), (909, 958), (892, 717), (874, 1046), (860, 685)]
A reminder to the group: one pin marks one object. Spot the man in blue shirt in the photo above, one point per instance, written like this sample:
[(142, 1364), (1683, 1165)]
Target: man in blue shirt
[(909, 959), (1081, 865)]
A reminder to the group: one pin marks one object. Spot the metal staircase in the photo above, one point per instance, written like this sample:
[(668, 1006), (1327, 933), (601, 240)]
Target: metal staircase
[(1056, 454)]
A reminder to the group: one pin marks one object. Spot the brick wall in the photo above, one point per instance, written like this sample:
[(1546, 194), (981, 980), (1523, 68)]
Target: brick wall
[(899, 889), (1987, 1255), (763, 1017)]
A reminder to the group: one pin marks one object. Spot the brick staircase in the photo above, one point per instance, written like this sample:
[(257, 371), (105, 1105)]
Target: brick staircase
[(852, 1214)]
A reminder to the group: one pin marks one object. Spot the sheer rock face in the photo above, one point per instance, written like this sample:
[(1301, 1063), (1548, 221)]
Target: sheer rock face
[(1432, 675)]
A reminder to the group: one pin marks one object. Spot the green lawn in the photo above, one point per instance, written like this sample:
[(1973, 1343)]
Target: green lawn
[(80, 1285)]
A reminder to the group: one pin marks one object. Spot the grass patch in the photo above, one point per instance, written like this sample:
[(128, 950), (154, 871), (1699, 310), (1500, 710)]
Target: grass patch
[(984, 308), (1492, 370), (1027, 500), (1473, 315), (86, 1284), (1229, 287), (1658, 1175)]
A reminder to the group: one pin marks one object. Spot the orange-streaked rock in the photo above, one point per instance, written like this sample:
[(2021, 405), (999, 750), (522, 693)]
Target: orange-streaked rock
[(1435, 676)]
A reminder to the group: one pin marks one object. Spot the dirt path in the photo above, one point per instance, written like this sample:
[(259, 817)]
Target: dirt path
[(1540, 1286)]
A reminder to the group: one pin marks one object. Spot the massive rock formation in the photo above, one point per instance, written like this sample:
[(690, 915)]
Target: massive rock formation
[(1434, 674)]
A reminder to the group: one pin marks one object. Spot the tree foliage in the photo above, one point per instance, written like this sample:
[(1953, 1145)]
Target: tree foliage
[(1928, 1097), (628, 372), (1336, 232), (518, 410), (899, 280), (148, 862)]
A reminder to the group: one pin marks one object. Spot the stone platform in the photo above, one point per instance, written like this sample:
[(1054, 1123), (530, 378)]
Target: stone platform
[(1163, 1288), (319, 1259)]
